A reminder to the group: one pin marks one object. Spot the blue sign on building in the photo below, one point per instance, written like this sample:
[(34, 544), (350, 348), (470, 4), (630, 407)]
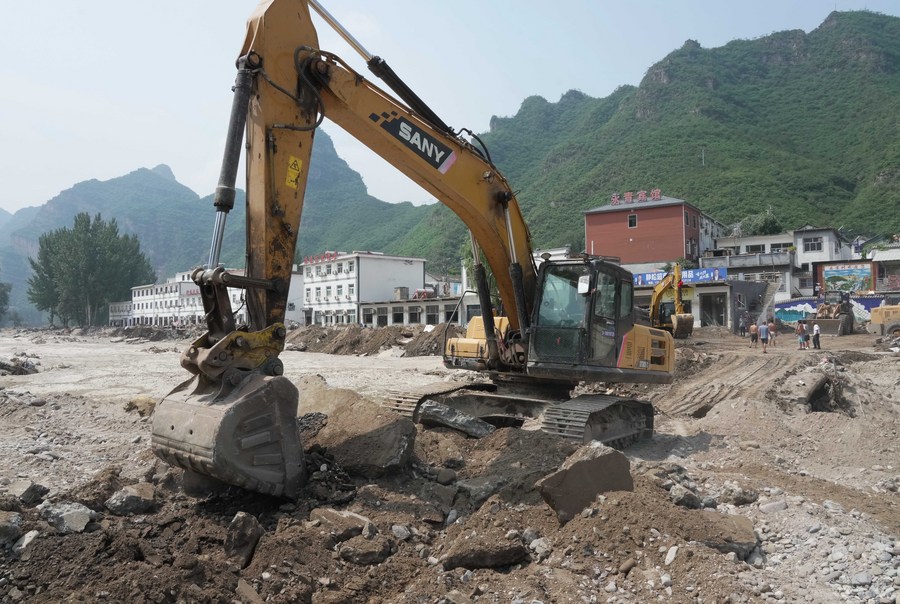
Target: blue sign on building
[(690, 275)]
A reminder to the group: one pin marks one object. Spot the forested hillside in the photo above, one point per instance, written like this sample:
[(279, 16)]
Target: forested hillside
[(802, 125)]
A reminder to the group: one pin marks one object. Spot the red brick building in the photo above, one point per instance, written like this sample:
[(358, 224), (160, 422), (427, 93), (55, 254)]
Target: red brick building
[(645, 230)]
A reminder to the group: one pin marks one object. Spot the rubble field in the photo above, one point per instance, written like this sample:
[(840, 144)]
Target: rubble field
[(771, 478)]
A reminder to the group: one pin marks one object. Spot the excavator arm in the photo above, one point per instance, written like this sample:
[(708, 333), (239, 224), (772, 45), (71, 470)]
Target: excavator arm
[(295, 87), (235, 419)]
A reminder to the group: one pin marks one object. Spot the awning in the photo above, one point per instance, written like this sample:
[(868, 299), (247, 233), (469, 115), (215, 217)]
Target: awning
[(892, 254)]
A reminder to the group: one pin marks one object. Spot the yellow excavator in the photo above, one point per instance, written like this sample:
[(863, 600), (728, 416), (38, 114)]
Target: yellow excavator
[(668, 315), (569, 321)]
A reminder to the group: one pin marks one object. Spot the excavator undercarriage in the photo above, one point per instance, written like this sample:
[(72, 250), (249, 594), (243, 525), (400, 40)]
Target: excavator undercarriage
[(613, 420)]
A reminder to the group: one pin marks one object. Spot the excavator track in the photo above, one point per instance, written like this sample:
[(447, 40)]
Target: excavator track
[(615, 421), (406, 402)]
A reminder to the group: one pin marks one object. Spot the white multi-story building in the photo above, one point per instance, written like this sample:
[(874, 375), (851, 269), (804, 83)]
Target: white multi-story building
[(337, 283), (177, 303), (786, 258)]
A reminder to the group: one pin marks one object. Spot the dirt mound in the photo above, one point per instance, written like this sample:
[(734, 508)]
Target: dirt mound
[(413, 340)]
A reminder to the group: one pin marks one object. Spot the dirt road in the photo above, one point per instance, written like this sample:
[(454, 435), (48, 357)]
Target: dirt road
[(747, 434)]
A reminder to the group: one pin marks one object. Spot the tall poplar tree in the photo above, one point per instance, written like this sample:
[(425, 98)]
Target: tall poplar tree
[(79, 271)]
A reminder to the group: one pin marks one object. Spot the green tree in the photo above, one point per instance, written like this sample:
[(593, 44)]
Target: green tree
[(4, 298), (79, 271), (43, 290), (764, 223), (684, 262)]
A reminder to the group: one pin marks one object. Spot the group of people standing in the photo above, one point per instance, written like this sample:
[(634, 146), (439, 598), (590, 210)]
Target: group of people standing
[(765, 333), (803, 335), (761, 333)]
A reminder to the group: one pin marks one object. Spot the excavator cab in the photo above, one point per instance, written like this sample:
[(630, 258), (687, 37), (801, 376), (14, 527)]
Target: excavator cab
[(583, 326)]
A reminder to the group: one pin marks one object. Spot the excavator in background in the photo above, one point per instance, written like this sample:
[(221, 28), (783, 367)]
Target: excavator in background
[(564, 323), (834, 314), (671, 316)]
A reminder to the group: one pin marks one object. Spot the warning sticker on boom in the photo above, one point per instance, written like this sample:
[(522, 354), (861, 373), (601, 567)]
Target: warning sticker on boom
[(295, 164)]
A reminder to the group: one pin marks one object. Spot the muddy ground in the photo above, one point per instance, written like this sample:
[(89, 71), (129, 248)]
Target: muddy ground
[(772, 477)]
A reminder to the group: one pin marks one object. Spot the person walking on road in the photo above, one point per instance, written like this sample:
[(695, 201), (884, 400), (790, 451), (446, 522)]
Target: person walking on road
[(816, 333), (754, 335), (772, 333), (743, 326), (764, 336)]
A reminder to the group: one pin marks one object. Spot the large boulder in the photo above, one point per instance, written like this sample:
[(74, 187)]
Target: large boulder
[(591, 470), (432, 413), (364, 438)]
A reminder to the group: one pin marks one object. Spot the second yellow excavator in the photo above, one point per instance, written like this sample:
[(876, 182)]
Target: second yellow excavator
[(558, 324), (671, 316)]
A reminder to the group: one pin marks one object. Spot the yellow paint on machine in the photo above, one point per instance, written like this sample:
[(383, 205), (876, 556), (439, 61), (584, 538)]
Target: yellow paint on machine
[(295, 164)]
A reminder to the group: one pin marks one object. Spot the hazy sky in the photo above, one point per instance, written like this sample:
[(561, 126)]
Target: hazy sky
[(99, 88)]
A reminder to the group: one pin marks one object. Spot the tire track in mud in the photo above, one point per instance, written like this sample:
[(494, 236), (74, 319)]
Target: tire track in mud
[(697, 396)]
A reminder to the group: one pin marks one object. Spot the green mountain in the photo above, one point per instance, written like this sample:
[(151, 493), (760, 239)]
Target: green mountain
[(175, 225), (802, 124)]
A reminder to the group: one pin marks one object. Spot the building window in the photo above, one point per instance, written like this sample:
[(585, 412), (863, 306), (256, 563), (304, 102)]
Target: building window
[(756, 249), (431, 314), (694, 221), (292, 306), (318, 270), (397, 315), (415, 314), (327, 269), (368, 315), (806, 283), (340, 268), (318, 293), (632, 221), (351, 289), (309, 271), (340, 290), (812, 244), (350, 266), (780, 247), (307, 294), (351, 315), (687, 219), (328, 293), (382, 316), (449, 312)]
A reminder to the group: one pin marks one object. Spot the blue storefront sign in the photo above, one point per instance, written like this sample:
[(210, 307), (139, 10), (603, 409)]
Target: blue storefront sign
[(690, 275)]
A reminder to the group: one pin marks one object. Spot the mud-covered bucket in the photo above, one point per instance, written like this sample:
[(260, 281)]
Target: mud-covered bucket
[(246, 437)]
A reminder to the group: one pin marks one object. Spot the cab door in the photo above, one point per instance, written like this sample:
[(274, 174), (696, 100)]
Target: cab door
[(605, 324)]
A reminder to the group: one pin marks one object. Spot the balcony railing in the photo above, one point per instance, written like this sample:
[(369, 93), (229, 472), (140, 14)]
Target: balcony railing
[(748, 260)]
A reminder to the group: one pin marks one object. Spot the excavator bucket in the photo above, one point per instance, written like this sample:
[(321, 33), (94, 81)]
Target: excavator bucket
[(246, 436), (682, 325)]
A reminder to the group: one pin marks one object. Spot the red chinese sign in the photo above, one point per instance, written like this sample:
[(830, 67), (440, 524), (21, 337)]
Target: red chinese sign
[(323, 257), (630, 197)]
